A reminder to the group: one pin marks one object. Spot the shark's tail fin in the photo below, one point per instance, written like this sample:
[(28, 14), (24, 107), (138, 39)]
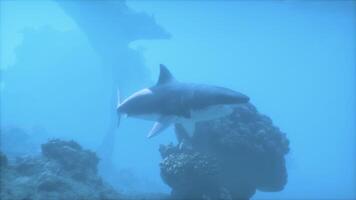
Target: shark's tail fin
[(118, 104)]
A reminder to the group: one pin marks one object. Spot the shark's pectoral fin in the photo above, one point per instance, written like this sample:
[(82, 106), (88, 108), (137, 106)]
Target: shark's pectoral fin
[(189, 127), (158, 127)]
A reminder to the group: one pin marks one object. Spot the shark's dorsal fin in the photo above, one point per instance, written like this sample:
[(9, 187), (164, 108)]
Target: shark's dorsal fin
[(165, 75)]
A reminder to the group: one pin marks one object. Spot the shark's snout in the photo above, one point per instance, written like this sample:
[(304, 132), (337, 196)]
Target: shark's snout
[(121, 112), (119, 109)]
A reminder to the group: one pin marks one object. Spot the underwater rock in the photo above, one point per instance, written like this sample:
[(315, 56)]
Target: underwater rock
[(48, 182), (71, 156), (242, 153), (28, 165), (64, 171)]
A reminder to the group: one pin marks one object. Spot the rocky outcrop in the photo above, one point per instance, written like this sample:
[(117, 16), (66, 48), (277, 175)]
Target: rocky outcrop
[(230, 158), (63, 171)]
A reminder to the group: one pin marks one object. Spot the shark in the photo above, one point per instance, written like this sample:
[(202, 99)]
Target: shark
[(172, 102)]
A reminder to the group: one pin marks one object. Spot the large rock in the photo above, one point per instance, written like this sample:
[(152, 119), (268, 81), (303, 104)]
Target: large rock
[(230, 157)]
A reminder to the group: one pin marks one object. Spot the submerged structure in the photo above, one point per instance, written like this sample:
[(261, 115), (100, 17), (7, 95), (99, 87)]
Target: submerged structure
[(110, 27)]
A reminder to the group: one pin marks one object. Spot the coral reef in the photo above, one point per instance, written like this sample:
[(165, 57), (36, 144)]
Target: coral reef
[(63, 171), (229, 158)]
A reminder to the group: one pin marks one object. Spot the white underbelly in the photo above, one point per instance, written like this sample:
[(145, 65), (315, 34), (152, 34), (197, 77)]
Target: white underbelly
[(209, 113), (149, 117)]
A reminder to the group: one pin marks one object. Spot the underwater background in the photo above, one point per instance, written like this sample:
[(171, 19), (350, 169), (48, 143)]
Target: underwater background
[(63, 61)]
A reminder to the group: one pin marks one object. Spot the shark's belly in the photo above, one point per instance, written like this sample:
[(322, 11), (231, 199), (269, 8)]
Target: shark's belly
[(208, 113), (211, 112), (149, 117)]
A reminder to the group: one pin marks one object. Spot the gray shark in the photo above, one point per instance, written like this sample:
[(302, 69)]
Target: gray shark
[(173, 102)]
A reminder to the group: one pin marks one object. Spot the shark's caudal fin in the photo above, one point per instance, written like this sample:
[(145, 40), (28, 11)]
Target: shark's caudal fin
[(165, 75), (118, 104)]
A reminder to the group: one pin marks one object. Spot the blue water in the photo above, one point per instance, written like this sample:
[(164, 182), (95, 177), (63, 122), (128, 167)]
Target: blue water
[(294, 59)]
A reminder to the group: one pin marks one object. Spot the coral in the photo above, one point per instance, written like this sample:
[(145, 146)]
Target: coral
[(190, 173), (64, 171), (241, 153)]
